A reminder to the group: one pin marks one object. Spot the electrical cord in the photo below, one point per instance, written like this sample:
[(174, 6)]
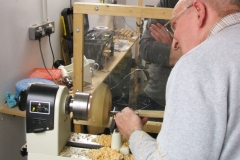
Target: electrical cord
[(48, 33), (119, 100), (127, 76), (138, 25), (51, 49), (129, 25), (71, 4), (40, 47)]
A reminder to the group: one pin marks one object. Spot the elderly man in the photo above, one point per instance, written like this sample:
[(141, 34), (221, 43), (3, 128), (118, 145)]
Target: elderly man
[(202, 116)]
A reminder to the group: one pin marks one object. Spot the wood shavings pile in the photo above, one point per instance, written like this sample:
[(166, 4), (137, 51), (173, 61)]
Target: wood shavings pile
[(125, 143), (104, 140), (104, 153), (78, 153)]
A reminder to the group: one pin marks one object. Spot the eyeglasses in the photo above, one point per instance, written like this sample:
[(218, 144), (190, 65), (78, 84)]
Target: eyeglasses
[(177, 15)]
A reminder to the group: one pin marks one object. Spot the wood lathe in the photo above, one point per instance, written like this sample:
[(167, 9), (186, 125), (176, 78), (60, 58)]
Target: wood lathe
[(49, 111)]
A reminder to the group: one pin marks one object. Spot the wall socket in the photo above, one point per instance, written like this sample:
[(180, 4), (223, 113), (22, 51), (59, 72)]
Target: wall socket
[(37, 31)]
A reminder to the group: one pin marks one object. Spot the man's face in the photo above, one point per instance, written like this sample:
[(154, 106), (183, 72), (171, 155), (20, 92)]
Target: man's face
[(185, 32)]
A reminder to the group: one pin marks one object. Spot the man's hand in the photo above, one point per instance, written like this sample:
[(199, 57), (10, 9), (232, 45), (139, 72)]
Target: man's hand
[(128, 121), (160, 33)]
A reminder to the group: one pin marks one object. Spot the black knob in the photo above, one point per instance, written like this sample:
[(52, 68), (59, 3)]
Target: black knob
[(22, 100)]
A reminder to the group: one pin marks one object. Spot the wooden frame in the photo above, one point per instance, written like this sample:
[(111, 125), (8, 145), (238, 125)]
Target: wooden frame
[(104, 9), (81, 8)]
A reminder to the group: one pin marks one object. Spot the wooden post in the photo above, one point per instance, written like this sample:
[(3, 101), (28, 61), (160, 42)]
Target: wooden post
[(136, 84), (103, 9), (78, 31)]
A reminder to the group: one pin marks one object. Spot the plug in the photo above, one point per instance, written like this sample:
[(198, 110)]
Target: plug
[(36, 31), (49, 28), (39, 33)]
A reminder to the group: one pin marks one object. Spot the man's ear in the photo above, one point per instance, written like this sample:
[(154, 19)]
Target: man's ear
[(201, 12)]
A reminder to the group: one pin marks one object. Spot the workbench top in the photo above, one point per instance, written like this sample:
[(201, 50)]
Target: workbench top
[(12, 111)]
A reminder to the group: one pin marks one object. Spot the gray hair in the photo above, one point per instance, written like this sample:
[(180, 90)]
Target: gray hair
[(234, 2), (218, 5)]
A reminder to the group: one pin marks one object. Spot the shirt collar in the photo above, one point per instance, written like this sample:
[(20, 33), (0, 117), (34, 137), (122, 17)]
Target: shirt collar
[(225, 22)]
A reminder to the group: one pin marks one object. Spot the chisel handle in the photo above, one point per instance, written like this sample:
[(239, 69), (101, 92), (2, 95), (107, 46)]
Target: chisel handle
[(145, 113), (150, 113)]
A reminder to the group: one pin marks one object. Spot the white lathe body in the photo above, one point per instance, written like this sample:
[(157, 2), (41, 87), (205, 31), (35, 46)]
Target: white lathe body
[(48, 120)]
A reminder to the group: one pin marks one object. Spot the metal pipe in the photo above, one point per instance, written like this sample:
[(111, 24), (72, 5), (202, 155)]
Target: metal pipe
[(45, 15)]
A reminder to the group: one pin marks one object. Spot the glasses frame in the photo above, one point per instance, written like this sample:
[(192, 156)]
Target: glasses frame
[(177, 15)]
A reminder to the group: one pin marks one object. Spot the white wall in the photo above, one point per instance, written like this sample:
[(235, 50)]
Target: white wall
[(19, 56)]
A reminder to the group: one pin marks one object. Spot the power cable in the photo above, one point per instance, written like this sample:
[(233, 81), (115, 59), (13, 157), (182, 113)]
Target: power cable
[(39, 40)]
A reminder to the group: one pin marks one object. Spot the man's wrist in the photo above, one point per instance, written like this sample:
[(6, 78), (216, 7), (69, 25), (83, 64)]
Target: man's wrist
[(134, 131)]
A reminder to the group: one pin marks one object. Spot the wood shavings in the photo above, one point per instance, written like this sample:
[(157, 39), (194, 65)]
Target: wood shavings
[(104, 140), (125, 143), (80, 137), (106, 153), (78, 153)]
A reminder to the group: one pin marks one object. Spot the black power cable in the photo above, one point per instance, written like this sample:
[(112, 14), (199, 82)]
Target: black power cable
[(49, 40), (39, 40), (48, 33)]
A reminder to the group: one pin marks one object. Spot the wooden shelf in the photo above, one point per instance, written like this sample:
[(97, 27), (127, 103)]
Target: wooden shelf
[(12, 111)]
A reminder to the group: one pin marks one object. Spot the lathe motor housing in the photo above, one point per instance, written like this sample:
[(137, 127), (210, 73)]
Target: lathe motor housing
[(50, 114)]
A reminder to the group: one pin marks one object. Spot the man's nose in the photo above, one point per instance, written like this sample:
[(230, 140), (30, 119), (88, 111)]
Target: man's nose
[(175, 44)]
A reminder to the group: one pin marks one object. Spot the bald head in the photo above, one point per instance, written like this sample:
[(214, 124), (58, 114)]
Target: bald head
[(194, 19)]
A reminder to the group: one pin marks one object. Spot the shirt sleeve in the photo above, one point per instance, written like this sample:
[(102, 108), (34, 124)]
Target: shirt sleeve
[(144, 147)]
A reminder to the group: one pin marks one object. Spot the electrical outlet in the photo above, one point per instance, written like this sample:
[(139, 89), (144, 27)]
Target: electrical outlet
[(37, 31), (49, 28)]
